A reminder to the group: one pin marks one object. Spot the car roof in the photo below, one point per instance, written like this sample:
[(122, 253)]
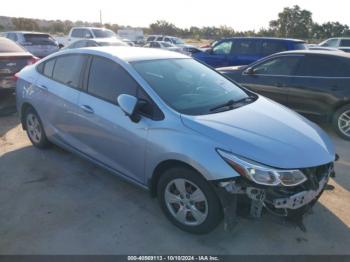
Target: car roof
[(317, 52), (89, 27), (103, 40), (127, 53), (266, 38), (27, 32)]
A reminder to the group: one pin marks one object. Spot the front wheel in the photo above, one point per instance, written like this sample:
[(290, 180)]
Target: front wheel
[(35, 130), (341, 122), (188, 200)]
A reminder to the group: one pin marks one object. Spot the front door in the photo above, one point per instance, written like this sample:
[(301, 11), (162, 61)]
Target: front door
[(272, 78), (106, 133)]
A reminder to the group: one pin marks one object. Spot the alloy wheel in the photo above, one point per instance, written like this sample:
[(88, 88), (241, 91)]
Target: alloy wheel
[(186, 202), (344, 123), (34, 128)]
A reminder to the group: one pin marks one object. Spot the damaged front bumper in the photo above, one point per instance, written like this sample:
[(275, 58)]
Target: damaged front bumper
[(289, 202)]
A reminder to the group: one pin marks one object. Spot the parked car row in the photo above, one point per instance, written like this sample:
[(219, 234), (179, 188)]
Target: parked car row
[(313, 83), (12, 59), (196, 140)]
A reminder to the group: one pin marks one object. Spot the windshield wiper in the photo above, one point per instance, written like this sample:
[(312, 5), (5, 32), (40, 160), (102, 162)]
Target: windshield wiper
[(231, 103)]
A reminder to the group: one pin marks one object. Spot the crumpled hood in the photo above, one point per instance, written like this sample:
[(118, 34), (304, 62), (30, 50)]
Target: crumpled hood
[(268, 133)]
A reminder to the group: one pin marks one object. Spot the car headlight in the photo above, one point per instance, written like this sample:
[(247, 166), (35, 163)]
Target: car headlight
[(261, 174)]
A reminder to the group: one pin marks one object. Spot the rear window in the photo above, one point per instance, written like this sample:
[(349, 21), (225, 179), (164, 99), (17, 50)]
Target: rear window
[(39, 39), (102, 33), (7, 46)]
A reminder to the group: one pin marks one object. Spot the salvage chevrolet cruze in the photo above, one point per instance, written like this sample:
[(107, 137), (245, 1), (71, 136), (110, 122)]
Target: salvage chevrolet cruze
[(174, 126)]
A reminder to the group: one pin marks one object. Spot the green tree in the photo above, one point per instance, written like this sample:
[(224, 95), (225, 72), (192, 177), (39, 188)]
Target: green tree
[(25, 24), (293, 22)]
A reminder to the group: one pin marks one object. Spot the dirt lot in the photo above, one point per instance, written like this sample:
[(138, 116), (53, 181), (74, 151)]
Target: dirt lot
[(52, 202)]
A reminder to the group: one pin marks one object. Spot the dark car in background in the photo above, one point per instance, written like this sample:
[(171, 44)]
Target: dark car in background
[(313, 83), (245, 50), (39, 44), (12, 59)]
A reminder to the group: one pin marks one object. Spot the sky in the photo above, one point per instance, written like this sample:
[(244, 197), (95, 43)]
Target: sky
[(240, 15)]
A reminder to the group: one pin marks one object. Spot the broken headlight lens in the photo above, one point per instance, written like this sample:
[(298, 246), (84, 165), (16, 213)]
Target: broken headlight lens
[(261, 174)]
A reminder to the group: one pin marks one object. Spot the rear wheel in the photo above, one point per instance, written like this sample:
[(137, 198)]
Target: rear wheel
[(35, 130), (188, 200), (341, 122)]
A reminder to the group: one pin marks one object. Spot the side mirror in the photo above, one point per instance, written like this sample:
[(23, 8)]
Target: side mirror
[(128, 104), (249, 71), (209, 51)]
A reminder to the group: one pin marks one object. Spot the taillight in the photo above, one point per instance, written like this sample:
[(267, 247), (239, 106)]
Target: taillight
[(15, 77), (32, 60)]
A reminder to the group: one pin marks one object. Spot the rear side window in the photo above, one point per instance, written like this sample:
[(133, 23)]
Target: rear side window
[(151, 38), (272, 47), (68, 69), (81, 33), (283, 66), (107, 80), (324, 66), (245, 47), (48, 68), (345, 42)]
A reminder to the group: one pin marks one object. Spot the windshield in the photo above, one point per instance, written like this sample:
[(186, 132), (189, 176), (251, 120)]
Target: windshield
[(103, 33), (188, 86)]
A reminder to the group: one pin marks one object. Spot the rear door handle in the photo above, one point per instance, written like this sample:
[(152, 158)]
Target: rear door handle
[(42, 87), (87, 109)]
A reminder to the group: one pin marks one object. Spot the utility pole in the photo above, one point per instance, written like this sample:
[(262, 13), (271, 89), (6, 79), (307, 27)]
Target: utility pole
[(100, 16)]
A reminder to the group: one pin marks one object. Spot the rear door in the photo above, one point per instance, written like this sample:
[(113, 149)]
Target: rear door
[(321, 81), (60, 84), (105, 132), (273, 77)]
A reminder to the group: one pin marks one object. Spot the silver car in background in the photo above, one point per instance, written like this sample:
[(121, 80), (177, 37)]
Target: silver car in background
[(178, 128), (38, 44), (96, 42)]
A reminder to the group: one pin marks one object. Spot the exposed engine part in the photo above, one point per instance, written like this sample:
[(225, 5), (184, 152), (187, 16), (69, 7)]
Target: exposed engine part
[(256, 207)]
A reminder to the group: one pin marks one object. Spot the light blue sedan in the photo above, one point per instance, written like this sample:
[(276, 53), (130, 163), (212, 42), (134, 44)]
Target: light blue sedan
[(193, 138)]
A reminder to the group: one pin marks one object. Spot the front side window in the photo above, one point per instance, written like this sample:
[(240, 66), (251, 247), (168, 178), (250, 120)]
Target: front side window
[(223, 48), (108, 80), (68, 69), (77, 33), (188, 86), (284, 66)]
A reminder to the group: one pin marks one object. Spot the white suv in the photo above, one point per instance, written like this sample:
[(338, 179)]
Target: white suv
[(78, 33)]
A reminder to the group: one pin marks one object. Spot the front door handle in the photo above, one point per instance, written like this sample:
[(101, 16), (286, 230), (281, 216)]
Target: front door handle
[(87, 109)]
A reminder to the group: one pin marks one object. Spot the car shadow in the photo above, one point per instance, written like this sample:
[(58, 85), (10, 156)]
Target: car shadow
[(7, 103), (342, 166), (55, 202)]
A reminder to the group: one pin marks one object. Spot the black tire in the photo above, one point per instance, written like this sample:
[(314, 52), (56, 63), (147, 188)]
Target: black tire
[(42, 142), (339, 114), (214, 213)]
